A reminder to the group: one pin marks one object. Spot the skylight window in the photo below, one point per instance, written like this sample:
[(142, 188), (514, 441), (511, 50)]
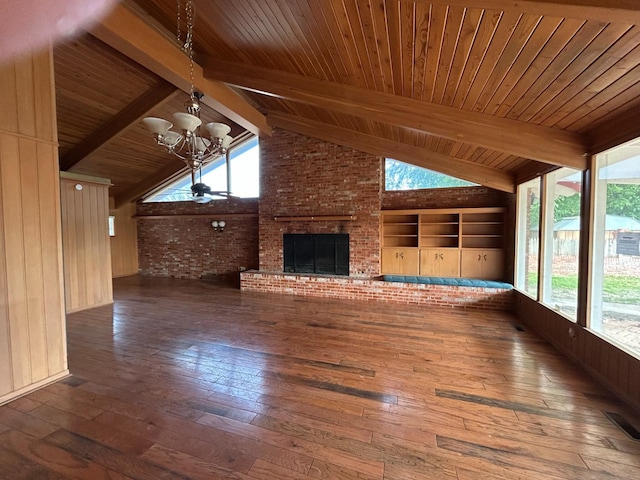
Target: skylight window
[(403, 176)]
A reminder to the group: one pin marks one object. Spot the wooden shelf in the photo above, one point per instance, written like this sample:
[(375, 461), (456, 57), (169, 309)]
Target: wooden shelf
[(316, 218)]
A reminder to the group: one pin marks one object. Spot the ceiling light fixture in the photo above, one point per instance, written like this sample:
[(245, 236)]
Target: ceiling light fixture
[(189, 144)]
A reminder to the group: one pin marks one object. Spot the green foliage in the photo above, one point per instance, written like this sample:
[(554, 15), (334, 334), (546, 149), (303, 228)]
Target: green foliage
[(402, 176), (623, 199), (566, 207)]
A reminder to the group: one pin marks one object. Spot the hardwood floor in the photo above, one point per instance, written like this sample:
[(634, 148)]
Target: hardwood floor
[(183, 379)]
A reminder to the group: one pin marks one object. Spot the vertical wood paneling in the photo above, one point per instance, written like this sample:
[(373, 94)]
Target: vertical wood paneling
[(124, 246), (87, 251), (618, 370), (51, 242), (44, 97), (34, 280), (6, 373), (8, 99), (15, 262), (32, 336), (26, 96)]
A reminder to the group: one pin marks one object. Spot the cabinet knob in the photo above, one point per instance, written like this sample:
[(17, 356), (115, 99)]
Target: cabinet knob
[(436, 256), (479, 257), (441, 256), (402, 255), (485, 258)]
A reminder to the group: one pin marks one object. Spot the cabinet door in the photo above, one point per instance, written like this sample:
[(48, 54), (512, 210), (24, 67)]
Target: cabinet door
[(449, 262), (389, 261), (429, 261), (440, 262), (409, 264), (400, 261), (472, 264), (486, 264), (493, 264)]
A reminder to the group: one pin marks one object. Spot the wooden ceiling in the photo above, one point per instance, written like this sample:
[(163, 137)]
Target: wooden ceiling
[(491, 91)]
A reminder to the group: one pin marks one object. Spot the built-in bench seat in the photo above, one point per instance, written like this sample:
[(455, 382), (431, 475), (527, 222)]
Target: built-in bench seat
[(451, 281)]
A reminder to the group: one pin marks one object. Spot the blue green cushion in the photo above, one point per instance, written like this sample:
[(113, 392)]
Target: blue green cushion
[(457, 282)]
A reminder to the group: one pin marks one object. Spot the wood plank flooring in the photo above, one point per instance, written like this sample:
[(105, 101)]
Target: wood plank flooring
[(186, 380)]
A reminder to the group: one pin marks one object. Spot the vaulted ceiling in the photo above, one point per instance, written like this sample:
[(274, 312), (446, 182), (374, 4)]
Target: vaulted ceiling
[(490, 91)]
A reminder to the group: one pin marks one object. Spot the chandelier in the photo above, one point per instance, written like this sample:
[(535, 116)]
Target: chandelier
[(189, 143)]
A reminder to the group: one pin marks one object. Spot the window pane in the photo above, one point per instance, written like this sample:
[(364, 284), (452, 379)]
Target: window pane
[(528, 246), (244, 162), (562, 241), (615, 304), (402, 176)]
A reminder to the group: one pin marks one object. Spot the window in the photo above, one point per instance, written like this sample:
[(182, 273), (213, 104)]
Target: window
[(243, 176), (112, 226), (403, 176), (561, 239), (244, 162), (527, 237), (615, 280)]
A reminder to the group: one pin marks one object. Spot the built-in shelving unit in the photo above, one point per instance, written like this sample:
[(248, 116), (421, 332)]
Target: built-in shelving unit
[(444, 242), (482, 230), (439, 230), (400, 231)]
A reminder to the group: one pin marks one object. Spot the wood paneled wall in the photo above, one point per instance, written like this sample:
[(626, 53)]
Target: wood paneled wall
[(618, 370), (32, 320), (86, 244), (124, 246)]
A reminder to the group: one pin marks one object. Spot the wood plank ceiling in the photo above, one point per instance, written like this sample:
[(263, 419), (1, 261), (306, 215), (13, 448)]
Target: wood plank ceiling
[(493, 93)]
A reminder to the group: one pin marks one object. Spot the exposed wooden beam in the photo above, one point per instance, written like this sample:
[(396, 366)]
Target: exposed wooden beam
[(466, 170), (626, 12), (159, 177), (613, 132), (132, 113), (134, 37), (548, 145), (531, 170)]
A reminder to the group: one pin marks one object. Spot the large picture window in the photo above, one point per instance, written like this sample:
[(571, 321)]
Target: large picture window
[(615, 280), (404, 176)]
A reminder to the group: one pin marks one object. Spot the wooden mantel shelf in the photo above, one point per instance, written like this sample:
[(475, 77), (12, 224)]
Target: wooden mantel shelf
[(316, 218)]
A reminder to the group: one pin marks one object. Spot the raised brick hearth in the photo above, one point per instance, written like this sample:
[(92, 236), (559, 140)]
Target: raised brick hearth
[(371, 289)]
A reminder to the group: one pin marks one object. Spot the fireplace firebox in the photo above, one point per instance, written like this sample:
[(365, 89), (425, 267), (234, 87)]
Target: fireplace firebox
[(316, 253)]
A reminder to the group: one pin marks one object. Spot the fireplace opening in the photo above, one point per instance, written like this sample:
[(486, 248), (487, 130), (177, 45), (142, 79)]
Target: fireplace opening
[(316, 253)]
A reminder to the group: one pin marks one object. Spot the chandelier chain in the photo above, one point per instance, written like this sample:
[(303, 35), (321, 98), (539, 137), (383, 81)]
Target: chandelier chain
[(195, 147), (178, 24), (188, 41)]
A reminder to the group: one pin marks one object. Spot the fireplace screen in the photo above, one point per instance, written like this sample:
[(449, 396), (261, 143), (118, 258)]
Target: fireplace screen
[(316, 253)]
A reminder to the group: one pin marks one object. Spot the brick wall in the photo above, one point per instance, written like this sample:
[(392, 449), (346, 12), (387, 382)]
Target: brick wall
[(186, 247), (441, 296), (459, 197), (302, 176)]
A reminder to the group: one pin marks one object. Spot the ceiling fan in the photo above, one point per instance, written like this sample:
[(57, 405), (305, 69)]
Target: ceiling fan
[(202, 193)]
